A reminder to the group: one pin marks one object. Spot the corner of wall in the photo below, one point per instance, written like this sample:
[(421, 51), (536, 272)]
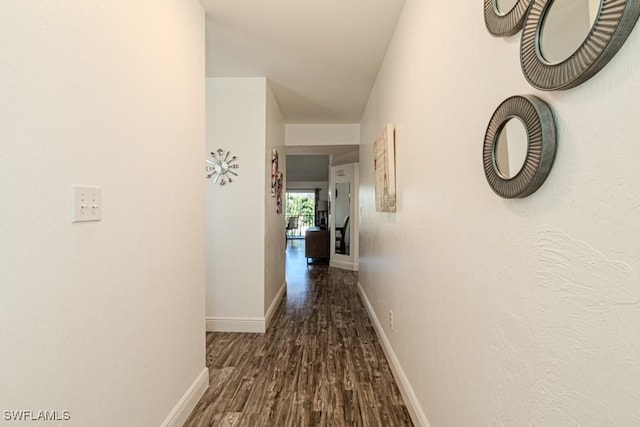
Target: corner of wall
[(189, 400), (236, 212)]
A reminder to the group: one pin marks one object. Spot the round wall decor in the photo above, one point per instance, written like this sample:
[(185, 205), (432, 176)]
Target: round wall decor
[(611, 22), (503, 23), (221, 167), (539, 146)]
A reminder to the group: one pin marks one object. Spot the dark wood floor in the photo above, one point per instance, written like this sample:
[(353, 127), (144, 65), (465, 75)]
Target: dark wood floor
[(319, 364)]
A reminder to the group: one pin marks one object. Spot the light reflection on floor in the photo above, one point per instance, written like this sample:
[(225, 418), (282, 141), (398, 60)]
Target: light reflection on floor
[(300, 274)]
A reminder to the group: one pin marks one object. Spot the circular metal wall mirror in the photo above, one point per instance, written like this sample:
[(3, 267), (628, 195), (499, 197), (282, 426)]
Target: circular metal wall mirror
[(505, 17), (519, 146), (566, 42)]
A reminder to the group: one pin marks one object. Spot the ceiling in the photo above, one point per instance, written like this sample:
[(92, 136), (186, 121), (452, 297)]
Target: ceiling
[(321, 56), (311, 162), (313, 168), (337, 154)]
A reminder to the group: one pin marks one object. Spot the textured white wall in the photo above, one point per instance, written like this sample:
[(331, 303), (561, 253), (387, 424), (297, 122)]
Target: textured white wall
[(323, 134), (507, 312), (236, 112), (94, 316), (274, 246)]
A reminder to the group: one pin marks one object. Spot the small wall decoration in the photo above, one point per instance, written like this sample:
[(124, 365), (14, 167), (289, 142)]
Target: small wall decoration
[(549, 64), (221, 167), (539, 146), (563, 43), (384, 166), (504, 21), (279, 205), (274, 171)]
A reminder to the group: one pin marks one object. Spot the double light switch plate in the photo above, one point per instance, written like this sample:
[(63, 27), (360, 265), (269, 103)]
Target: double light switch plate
[(87, 203)]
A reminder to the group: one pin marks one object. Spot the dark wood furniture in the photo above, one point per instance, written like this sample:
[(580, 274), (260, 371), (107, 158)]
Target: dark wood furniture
[(316, 243)]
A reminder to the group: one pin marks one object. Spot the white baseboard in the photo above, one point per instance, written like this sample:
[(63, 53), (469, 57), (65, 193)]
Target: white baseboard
[(185, 406), (254, 325), (274, 305), (344, 265), (415, 411)]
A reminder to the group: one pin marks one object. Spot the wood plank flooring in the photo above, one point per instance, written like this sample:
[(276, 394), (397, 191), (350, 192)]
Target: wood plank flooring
[(319, 364)]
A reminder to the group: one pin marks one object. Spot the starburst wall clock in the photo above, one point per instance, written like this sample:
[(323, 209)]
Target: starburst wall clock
[(221, 167)]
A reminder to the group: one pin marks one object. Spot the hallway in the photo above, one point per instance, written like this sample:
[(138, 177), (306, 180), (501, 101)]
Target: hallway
[(319, 364)]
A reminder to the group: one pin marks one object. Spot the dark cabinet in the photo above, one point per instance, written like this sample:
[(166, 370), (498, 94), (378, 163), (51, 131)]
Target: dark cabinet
[(316, 243)]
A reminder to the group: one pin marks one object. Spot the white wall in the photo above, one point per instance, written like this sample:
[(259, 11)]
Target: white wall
[(507, 312), (346, 158), (322, 134), (236, 111), (94, 316), (245, 236), (275, 245)]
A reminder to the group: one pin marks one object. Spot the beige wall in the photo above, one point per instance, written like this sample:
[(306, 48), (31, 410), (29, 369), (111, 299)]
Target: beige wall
[(322, 134), (236, 111), (95, 316), (245, 236), (507, 312), (274, 246)]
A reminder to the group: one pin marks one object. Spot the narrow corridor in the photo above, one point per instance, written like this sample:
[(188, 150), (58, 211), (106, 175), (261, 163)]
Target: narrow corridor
[(319, 364)]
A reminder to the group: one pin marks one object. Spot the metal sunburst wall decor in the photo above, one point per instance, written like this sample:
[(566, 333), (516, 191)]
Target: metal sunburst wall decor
[(537, 119), (613, 24), (504, 23), (221, 167)]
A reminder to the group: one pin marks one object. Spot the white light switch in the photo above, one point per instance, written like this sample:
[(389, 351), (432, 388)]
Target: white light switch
[(87, 203)]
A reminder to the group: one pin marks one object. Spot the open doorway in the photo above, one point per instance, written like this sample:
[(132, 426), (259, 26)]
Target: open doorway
[(300, 212), (308, 205)]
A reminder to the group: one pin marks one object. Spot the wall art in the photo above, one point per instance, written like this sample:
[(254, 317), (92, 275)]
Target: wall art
[(274, 171), (221, 167), (279, 183), (556, 53), (384, 167), (536, 143), (505, 18)]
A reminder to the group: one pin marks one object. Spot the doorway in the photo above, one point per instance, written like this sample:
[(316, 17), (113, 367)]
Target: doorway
[(300, 212)]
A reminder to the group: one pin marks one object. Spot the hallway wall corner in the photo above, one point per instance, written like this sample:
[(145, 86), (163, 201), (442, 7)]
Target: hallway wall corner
[(188, 402)]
